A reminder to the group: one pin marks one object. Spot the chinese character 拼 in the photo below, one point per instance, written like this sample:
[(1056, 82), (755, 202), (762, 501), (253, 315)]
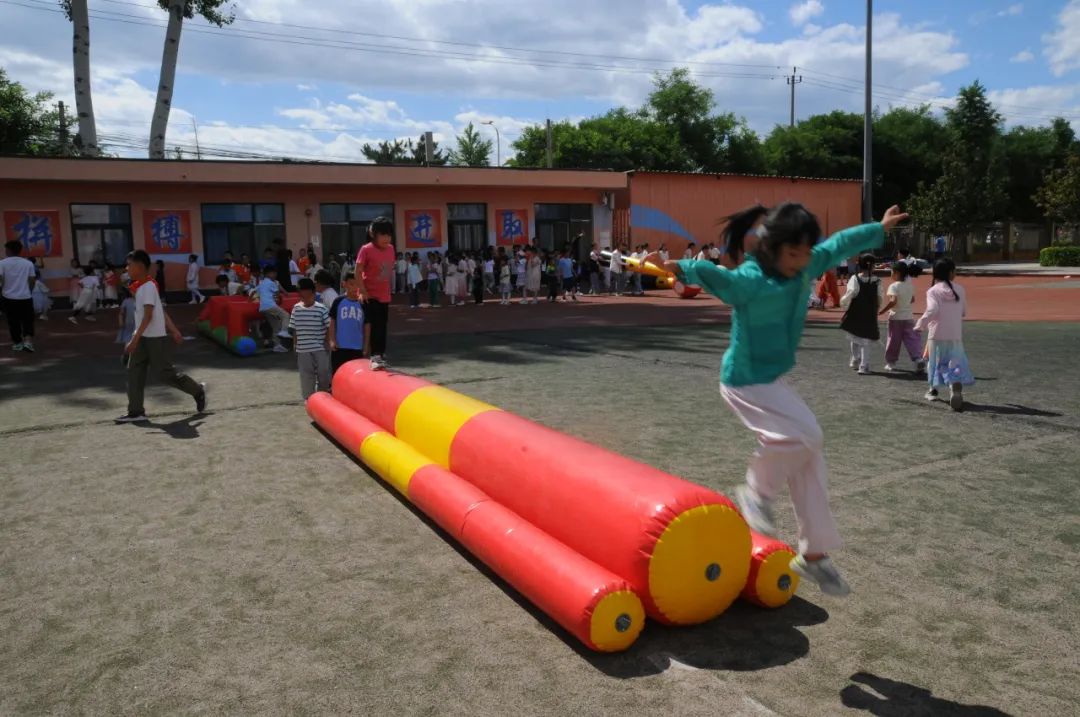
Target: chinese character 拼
[(421, 229), (34, 231)]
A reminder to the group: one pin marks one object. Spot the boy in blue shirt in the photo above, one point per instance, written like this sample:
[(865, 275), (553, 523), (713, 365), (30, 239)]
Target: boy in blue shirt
[(278, 318), (348, 330)]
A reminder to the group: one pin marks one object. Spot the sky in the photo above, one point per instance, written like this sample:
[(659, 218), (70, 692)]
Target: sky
[(318, 80)]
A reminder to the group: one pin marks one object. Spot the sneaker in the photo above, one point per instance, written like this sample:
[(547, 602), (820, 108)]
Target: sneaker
[(193, 301), (864, 371), (28, 347), (758, 513), (284, 334), (73, 320), (200, 400), (17, 347), (132, 417), (956, 397), (43, 317), (90, 317), (920, 367), (378, 363), (889, 368), (931, 395), (854, 364), (279, 349), (822, 572)]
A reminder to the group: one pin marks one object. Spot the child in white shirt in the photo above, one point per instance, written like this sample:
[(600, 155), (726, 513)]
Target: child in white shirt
[(193, 280), (901, 299), (87, 301)]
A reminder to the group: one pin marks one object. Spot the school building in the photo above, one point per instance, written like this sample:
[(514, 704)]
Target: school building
[(65, 209)]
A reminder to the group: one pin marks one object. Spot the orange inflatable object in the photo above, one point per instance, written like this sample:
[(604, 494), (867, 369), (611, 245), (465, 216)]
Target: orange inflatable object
[(590, 602), (771, 582), (684, 549), (226, 319)]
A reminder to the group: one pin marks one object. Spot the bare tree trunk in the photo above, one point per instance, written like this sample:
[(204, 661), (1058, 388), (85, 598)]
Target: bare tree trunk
[(160, 122), (84, 103)]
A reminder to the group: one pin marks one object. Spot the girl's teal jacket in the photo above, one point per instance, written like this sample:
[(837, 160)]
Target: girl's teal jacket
[(768, 312)]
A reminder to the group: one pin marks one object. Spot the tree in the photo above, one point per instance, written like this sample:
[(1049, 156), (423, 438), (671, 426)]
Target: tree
[(77, 13), (971, 189), (674, 130), (389, 152), (827, 145), (419, 155), (28, 123), (472, 149), (1059, 196), (908, 147), (178, 10), (1029, 155)]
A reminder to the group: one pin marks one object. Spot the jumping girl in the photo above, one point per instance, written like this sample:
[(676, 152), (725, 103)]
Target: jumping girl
[(767, 293)]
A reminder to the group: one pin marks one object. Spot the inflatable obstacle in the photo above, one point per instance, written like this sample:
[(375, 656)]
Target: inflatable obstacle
[(594, 539), (228, 319), (664, 278)]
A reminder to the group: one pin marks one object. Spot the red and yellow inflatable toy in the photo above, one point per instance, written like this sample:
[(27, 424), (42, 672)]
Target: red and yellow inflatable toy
[(227, 320), (594, 539)]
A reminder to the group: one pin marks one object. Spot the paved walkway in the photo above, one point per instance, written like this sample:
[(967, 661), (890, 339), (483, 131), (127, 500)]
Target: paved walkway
[(1017, 269)]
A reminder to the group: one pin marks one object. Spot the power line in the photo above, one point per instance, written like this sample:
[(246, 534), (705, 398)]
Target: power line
[(307, 41), (477, 45)]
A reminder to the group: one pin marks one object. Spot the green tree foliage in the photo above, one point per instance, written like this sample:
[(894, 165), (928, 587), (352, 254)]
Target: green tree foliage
[(908, 147), (1059, 196), (674, 130), (472, 149), (972, 187), (819, 146), (29, 124), (401, 152)]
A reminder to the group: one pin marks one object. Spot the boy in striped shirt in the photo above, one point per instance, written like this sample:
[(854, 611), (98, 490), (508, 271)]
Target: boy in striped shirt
[(308, 324)]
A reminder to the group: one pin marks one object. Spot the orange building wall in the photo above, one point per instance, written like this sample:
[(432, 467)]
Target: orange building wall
[(698, 203), (298, 200)]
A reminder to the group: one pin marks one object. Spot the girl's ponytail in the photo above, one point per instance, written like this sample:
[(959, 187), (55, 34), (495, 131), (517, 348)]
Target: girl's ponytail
[(943, 269), (735, 228)]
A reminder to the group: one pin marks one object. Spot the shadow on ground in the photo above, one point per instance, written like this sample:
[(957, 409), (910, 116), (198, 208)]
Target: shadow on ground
[(899, 699)]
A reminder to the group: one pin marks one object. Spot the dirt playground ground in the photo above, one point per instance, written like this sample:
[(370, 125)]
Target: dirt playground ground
[(240, 563)]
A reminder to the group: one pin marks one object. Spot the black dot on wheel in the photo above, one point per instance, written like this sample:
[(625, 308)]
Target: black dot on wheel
[(623, 622), (712, 572), (784, 582)]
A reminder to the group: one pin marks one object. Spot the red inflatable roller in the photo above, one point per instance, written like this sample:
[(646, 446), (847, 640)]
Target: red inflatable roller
[(593, 604), (683, 548), (771, 582)]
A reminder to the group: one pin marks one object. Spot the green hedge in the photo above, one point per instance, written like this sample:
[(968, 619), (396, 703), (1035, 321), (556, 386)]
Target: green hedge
[(1060, 256)]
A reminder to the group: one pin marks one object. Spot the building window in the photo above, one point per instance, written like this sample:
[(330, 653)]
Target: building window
[(467, 224), (102, 233), (558, 224), (241, 229), (345, 226)]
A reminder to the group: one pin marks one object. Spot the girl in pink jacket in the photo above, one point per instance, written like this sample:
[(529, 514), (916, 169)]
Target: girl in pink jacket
[(945, 309)]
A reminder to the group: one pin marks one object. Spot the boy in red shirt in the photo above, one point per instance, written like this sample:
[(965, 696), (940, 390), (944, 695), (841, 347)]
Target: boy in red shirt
[(375, 265)]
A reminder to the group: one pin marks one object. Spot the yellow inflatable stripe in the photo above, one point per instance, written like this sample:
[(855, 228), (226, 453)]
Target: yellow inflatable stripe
[(430, 417), (394, 461)]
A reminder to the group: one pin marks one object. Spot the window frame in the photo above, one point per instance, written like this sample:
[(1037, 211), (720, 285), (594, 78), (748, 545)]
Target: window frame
[(350, 224), (250, 250), (482, 223), (100, 227)]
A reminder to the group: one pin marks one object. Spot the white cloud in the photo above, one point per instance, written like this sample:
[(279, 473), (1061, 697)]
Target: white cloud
[(1022, 56), (802, 12), (811, 29), (304, 87), (1062, 49), (1012, 10)]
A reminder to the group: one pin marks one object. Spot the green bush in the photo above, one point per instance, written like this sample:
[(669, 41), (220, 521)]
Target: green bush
[(1060, 256)]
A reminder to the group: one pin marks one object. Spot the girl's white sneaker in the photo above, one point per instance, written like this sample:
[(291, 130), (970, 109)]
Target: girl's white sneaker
[(822, 572)]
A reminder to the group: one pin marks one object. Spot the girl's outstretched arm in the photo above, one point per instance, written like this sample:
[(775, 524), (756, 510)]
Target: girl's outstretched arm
[(728, 285)]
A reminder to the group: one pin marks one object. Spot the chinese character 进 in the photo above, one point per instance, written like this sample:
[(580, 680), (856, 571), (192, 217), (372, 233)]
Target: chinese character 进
[(34, 231), (421, 229), (165, 232)]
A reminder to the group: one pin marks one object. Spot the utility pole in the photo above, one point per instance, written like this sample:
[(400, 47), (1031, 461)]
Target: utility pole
[(550, 145), (429, 153), (63, 133), (198, 151), (793, 80), (498, 142), (868, 124)]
